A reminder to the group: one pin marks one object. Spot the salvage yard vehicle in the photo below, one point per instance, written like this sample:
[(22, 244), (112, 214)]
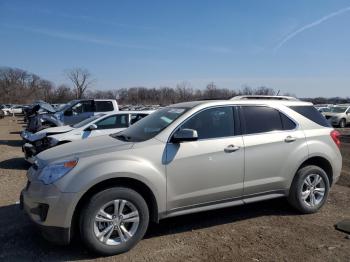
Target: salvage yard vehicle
[(98, 125), (338, 115), (13, 110), (184, 158), (44, 115), (77, 110)]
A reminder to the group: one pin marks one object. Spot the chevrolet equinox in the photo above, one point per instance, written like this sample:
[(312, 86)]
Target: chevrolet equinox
[(184, 158)]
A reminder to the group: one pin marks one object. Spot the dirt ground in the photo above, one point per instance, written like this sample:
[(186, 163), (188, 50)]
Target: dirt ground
[(266, 231)]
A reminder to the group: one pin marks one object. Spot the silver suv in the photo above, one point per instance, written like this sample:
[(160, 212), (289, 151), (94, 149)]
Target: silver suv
[(184, 158), (338, 115)]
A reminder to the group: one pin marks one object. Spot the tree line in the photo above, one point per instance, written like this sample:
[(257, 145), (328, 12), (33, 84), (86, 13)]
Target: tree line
[(18, 86)]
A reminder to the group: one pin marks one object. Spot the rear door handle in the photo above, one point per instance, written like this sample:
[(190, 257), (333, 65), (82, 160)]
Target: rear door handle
[(231, 149), (289, 139)]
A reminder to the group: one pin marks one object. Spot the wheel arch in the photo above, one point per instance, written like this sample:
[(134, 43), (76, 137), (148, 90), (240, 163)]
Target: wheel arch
[(131, 183), (322, 163)]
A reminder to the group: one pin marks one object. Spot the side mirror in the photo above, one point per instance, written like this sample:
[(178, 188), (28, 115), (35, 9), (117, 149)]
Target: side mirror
[(68, 112), (184, 135), (92, 127)]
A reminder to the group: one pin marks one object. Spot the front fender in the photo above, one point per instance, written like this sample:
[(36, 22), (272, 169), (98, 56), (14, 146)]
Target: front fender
[(86, 175)]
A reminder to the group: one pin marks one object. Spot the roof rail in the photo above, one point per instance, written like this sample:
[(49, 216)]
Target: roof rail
[(249, 97)]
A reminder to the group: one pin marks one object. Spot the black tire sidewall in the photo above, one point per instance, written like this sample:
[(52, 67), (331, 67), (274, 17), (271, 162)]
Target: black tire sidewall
[(298, 183), (92, 207), (342, 123)]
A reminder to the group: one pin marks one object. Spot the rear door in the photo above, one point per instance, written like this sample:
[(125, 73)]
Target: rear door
[(272, 141), (109, 125)]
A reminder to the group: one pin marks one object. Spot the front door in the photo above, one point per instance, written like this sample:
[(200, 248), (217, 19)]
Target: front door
[(209, 170)]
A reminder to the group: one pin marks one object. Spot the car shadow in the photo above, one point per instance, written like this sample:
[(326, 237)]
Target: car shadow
[(14, 236), (15, 132), (17, 163), (13, 143), (279, 207)]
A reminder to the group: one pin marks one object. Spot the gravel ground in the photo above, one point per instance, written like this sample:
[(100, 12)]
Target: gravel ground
[(266, 231)]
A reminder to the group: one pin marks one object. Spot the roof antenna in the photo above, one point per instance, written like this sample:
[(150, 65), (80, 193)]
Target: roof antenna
[(278, 92)]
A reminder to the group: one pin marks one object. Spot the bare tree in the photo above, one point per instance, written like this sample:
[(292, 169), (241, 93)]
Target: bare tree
[(81, 79)]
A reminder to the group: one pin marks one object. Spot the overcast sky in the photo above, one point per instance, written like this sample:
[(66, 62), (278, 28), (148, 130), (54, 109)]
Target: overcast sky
[(298, 46)]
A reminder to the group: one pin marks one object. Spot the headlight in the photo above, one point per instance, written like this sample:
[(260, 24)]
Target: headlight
[(52, 141), (51, 173)]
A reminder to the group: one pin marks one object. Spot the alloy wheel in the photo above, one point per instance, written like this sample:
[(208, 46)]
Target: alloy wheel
[(313, 190), (116, 222)]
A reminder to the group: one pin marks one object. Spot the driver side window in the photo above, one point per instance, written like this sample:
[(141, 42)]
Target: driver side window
[(212, 123)]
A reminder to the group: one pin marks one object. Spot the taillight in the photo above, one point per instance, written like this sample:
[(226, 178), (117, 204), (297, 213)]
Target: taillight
[(336, 137)]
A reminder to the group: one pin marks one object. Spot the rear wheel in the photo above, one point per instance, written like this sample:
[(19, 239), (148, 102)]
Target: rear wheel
[(114, 221), (309, 190)]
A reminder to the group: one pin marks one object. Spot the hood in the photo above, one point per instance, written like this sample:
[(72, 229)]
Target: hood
[(51, 119), (47, 107), (55, 130), (331, 114), (80, 148)]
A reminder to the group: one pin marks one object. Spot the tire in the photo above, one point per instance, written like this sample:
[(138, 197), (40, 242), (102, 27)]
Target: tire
[(302, 190), (342, 123), (113, 243)]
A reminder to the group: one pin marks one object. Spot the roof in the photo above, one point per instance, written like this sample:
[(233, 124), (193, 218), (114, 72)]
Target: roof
[(342, 105)]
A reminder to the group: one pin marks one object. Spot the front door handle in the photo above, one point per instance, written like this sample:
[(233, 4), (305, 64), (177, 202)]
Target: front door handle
[(289, 139), (231, 149)]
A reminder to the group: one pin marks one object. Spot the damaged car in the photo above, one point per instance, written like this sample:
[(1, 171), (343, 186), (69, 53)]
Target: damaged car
[(98, 125)]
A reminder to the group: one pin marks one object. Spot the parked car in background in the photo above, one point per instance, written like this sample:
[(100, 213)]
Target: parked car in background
[(13, 110), (45, 115), (184, 158), (323, 109), (77, 110), (338, 115), (2, 114), (98, 125), (5, 109)]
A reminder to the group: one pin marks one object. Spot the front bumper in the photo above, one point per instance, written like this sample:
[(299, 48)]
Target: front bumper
[(31, 150), (50, 209)]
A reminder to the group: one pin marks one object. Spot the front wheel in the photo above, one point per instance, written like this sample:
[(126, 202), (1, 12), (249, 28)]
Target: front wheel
[(114, 221), (342, 123), (309, 190)]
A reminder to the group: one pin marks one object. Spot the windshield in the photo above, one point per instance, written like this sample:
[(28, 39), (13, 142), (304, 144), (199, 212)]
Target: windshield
[(151, 125), (338, 109), (87, 121), (47, 107)]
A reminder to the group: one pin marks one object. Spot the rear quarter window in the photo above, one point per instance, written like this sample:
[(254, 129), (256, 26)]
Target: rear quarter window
[(312, 114), (103, 106), (263, 119)]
